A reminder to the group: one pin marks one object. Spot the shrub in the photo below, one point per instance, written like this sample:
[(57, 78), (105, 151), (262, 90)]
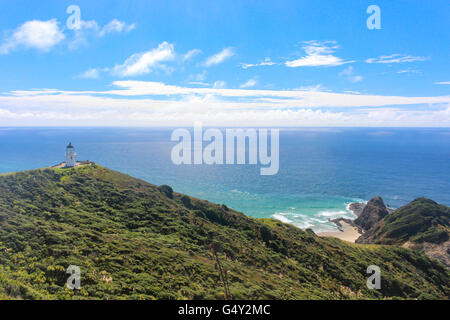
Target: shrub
[(266, 235), (186, 201), (167, 190)]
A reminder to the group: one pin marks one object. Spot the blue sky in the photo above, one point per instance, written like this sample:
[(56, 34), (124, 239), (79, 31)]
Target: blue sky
[(225, 63)]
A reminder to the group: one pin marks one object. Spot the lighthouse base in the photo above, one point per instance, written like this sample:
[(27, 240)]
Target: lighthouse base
[(77, 164)]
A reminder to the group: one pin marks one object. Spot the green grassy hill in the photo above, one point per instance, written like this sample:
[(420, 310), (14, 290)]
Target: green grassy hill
[(133, 240), (421, 220), (422, 225)]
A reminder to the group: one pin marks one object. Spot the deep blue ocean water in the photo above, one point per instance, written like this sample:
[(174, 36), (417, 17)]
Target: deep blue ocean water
[(322, 170)]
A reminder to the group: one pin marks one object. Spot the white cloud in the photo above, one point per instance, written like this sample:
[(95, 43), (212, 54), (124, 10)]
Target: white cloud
[(408, 71), (199, 83), (88, 25), (318, 54), (350, 75), (219, 84), (116, 26), (314, 88), (143, 63), (266, 62), (219, 57), (199, 77), (92, 28), (254, 98), (80, 34), (217, 106), (35, 34), (89, 74), (396, 58), (190, 54), (189, 112), (284, 98), (443, 82), (250, 83)]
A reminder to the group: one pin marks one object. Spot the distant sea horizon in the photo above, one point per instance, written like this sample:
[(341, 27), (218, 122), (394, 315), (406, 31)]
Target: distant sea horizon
[(322, 170)]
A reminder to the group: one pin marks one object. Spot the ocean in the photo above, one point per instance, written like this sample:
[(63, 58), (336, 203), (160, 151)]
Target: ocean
[(322, 170)]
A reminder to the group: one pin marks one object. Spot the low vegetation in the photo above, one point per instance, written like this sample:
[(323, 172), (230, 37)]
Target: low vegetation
[(133, 240)]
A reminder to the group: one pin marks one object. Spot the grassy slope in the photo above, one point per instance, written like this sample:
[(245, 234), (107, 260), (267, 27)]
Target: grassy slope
[(155, 247), (421, 220)]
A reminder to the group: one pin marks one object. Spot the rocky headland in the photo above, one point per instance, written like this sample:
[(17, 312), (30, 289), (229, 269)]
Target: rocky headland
[(422, 225)]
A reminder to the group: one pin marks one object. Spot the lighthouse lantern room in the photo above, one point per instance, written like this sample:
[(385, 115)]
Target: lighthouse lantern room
[(71, 156)]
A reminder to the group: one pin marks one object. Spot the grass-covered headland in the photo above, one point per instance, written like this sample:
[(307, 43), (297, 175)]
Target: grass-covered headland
[(134, 240)]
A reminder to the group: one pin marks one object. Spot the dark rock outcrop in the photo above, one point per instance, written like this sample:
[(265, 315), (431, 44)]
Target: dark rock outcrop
[(338, 223), (374, 211), (357, 208)]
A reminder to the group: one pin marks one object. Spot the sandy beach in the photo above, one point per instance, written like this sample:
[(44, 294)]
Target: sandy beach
[(349, 233)]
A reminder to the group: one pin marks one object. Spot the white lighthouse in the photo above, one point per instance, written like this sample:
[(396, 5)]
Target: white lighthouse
[(71, 156)]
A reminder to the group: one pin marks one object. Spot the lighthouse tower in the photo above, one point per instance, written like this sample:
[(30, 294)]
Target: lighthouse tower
[(70, 156)]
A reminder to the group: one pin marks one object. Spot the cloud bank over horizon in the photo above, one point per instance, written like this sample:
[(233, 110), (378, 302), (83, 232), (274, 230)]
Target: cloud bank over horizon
[(137, 103)]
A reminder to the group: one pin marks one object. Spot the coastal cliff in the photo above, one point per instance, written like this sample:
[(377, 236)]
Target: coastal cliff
[(373, 212), (422, 225), (135, 240)]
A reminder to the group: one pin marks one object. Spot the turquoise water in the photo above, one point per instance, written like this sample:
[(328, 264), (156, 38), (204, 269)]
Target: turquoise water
[(322, 170)]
